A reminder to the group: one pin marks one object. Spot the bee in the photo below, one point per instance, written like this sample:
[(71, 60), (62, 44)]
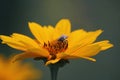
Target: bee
[(62, 41)]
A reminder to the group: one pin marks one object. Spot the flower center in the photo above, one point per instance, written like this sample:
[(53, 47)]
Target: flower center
[(57, 46)]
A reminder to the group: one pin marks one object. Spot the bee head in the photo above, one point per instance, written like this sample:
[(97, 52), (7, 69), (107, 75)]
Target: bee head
[(62, 38)]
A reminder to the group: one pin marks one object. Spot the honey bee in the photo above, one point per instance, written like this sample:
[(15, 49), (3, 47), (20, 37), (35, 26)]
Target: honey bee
[(62, 41)]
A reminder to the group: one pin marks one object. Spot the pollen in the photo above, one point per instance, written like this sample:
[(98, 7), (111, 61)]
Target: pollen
[(57, 46)]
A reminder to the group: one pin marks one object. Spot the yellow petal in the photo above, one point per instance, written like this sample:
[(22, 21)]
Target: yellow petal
[(25, 40), (87, 51), (63, 27), (104, 44), (76, 36), (53, 34), (67, 56), (49, 33), (90, 38), (22, 56), (89, 58), (32, 53), (52, 61), (12, 43), (38, 31), (40, 52)]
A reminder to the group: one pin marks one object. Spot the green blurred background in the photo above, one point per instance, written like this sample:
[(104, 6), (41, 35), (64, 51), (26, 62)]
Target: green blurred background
[(86, 14)]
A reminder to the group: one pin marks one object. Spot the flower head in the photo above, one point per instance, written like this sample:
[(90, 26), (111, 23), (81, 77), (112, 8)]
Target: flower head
[(56, 43), (17, 71)]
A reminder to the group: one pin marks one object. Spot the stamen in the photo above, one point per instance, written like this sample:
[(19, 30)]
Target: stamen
[(45, 45)]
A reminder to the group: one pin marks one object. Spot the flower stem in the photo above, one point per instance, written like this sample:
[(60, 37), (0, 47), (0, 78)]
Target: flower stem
[(54, 71), (55, 67)]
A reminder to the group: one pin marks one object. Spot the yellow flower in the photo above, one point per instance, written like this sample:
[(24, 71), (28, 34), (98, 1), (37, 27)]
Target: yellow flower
[(17, 71), (57, 43)]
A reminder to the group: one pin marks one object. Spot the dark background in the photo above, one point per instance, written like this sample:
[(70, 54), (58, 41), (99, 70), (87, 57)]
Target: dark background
[(86, 14)]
